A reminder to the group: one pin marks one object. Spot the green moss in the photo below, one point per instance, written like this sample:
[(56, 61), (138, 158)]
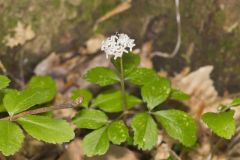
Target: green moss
[(56, 3), (219, 18), (107, 5)]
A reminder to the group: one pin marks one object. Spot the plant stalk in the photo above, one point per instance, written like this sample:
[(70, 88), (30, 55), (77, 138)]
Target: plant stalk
[(122, 82), (74, 104)]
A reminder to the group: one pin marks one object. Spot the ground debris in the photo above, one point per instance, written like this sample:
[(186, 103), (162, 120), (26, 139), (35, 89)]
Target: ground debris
[(200, 87), (22, 34)]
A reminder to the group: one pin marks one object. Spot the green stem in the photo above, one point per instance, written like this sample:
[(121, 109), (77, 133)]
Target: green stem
[(124, 100), (126, 113), (224, 108)]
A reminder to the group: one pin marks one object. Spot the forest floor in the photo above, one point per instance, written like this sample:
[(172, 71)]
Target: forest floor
[(208, 62)]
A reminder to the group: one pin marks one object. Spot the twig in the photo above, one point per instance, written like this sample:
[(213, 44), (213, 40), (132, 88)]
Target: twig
[(234, 95), (209, 157), (2, 67), (235, 140), (125, 113), (4, 70), (174, 155), (74, 104), (21, 67), (177, 47), (120, 8), (214, 148)]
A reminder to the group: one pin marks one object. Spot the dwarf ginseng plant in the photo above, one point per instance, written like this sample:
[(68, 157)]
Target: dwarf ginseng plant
[(138, 116), (40, 90), (144, 111)]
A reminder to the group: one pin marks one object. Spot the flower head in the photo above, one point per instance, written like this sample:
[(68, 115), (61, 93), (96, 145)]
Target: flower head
[(117, 44)]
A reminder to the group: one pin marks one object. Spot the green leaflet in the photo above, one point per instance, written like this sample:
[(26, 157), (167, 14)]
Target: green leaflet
[(2, 108), (96, 142), (145, 131), (223, 123), (91, 119), (102, 76), (4, 82), (178, 95), (117, 132), (178, 125), (236, 102), (87, 96), (130, 63), (18, 101), (111, 101), (43, 82), (156, 92), (11, 137), (40, 89), (142, 76), (2, 94), (47, 129)]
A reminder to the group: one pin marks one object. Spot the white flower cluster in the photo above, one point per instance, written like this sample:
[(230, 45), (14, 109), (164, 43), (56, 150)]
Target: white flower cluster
[(117, 44)]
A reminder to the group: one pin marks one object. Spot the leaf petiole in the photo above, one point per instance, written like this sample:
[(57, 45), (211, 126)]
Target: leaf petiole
[(73, 104)]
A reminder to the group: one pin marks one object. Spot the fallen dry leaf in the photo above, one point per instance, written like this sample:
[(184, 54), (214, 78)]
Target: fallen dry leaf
[(162, 152), (145, 54), (200, 87), (22, 34), (116, 153), (73, 151), (47, 64), (92, 45), (202, 151)]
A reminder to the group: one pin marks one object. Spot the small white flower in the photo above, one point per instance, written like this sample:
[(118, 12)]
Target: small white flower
[(117, 44)]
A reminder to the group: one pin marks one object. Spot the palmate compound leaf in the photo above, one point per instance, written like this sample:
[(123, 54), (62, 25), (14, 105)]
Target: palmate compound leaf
[(130, 63), (117, 132), (102, 76), (96, 142), (156, 92), (222, 124), (142, 76), (85, 93), (90, 119), (145, 131), (47, 129), (11, 137), (111, 101), (179, 125), (4, 82)]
